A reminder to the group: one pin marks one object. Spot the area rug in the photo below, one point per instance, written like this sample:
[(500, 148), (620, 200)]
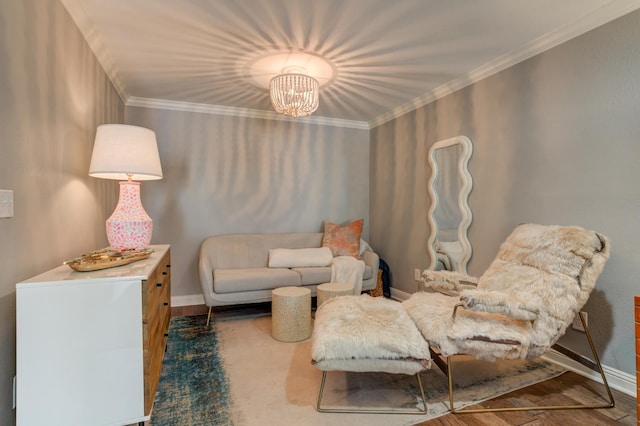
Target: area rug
[(193, 388), (235, 373)]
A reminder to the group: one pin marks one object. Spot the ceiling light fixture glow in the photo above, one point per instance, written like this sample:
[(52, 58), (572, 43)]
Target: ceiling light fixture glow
[(294, 93)]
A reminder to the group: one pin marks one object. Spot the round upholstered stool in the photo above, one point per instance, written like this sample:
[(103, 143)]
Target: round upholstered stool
[(327, 291), (291, 314)]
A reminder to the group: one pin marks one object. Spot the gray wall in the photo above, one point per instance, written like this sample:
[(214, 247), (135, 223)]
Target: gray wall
[(225, 174), (556, 140), (53, 94)]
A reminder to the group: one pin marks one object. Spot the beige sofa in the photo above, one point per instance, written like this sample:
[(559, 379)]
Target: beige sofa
[(234, 268)]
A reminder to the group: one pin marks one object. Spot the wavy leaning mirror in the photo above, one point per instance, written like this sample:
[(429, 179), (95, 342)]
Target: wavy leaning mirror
[(449, 215)]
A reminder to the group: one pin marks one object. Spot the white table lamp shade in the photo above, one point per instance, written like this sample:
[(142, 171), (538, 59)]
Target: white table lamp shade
[(120, 150)]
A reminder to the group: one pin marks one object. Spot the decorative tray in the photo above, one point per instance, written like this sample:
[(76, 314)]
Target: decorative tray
[(103, 259)]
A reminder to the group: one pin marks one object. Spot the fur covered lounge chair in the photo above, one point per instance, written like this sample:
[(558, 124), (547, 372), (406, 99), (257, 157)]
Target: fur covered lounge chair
[(518, 309)]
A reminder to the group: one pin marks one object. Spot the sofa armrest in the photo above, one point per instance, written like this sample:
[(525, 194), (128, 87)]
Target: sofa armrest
[(447, 282), (205, 271), (371, 259)]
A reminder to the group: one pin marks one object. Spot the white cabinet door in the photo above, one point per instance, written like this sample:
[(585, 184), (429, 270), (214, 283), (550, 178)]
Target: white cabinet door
[(79, 353)]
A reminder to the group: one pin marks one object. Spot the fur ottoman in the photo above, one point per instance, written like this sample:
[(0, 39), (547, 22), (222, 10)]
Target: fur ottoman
[(367, 334), (364, 333)]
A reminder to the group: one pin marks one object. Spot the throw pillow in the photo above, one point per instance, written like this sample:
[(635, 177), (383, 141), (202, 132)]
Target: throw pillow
[(343, 240), (300, 258)]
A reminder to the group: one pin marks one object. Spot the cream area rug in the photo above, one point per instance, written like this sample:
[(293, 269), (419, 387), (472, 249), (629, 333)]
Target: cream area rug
[(274, 383)]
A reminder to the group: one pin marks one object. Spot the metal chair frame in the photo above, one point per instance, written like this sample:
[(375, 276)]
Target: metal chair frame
[(367, 410), (609, 404), (209, 316)]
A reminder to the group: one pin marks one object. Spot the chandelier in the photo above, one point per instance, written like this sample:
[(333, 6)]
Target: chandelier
[(294, 93)]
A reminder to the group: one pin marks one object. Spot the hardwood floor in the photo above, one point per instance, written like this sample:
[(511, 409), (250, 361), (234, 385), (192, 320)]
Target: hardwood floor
[(569, 388)]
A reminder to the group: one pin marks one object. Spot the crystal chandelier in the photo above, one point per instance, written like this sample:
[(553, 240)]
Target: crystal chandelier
[(294, 92)]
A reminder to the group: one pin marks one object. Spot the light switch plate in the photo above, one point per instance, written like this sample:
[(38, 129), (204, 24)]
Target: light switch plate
[(6, 203)]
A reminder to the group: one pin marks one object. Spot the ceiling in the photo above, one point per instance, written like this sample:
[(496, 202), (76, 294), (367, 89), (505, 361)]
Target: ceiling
[(384, 57)]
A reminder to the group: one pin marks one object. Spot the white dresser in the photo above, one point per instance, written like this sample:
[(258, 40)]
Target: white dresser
[(89, 345)]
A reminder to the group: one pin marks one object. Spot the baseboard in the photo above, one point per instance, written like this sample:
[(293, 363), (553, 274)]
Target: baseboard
[(188, 300), (399, 294), (619, 380)]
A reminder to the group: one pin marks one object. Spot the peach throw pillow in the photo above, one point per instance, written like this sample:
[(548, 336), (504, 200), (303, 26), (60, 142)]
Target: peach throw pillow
[(343, 240)]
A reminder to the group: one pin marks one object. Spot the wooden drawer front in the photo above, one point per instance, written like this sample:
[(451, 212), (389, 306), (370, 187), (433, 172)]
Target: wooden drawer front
[(155, 285), (155, 326)]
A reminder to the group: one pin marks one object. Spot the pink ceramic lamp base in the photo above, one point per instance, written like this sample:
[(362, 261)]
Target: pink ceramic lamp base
[(129, 227)]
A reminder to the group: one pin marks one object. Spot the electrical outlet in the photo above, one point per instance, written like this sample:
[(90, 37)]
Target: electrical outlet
[(416, 274), (577, 324)]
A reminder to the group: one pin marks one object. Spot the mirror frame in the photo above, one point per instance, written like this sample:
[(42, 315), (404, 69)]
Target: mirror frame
[(463, 199)]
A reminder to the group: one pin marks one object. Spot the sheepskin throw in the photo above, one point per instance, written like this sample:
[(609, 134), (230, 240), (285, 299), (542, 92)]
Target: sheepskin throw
[(524, 302), (364, 333), (348, 270), (447, 281)]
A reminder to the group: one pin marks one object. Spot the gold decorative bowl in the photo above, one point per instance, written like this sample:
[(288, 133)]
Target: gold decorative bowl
[(107, 258)]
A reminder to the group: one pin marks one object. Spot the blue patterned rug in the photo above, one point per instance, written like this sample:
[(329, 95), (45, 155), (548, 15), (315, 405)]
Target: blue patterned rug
[(193, 388)]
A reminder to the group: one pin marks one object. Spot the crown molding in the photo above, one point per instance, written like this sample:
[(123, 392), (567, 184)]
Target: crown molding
[(613, 10), (241, 112)]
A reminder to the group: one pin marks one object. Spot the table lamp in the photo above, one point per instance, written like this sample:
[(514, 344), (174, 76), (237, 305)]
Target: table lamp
[(125, 153)]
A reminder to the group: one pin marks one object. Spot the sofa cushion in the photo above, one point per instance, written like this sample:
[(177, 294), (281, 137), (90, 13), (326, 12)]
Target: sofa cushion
[(249, 279), (314, 275)]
